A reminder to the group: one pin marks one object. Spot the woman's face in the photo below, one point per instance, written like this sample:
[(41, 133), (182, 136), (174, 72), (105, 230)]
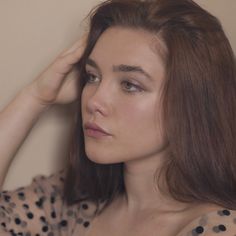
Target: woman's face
[(121, 100)]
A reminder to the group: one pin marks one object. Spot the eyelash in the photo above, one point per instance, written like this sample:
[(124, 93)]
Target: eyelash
[(137, 88)]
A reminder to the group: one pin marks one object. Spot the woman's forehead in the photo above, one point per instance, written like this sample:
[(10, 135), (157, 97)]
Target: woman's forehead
[(128, 46), (124, 37)]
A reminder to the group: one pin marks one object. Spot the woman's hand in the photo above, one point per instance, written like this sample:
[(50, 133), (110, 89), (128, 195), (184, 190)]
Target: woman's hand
[(52, 86), (58, 84)]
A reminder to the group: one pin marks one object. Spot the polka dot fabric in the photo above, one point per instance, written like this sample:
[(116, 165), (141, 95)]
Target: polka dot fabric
[(40, 210), (216, 223)]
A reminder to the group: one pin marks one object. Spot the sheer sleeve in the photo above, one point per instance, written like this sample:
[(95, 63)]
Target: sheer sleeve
[(221, 222), (36, 209)]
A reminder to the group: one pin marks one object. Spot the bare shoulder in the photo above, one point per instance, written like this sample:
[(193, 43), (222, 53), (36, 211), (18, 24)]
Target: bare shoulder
[(221, 222)]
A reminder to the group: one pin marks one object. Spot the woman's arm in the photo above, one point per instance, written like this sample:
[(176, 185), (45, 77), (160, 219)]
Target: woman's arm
[(50, 87), (16, 121)]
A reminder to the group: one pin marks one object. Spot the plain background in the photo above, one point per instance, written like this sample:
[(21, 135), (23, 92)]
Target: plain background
[(32, 34)]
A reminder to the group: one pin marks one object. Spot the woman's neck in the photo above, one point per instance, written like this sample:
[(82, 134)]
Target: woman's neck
[(142, 190)]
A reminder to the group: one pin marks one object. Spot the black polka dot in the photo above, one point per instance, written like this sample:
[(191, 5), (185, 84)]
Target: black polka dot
[(222, 227), (7, 198), (12, 232), (42, 218), (30, 215), (85, 206), (26, 206), (39, 203), (226, 212), (53, 214), (52, 200), (17, 221), (3, 224), (199, 230), (86, 224), (21, 194), (63, 223), (45, 228)]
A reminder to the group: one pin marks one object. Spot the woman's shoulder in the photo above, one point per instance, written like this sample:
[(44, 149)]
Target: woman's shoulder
[(40, 208), (217, 222), (31, 205), (40, 187)]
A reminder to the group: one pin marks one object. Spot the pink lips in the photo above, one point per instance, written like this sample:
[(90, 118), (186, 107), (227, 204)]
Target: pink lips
[(92, 129)]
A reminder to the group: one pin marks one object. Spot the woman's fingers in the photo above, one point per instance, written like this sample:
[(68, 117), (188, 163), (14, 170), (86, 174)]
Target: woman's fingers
[(69, 91), (65, 61), (53, 84)]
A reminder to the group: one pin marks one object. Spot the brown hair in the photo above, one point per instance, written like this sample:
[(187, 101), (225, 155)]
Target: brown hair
[(198, 98)]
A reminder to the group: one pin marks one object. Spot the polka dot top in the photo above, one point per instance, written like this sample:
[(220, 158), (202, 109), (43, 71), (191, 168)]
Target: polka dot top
[(39, 210)]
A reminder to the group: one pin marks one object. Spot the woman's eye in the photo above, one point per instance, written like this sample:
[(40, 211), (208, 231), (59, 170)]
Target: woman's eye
[(130, 87), (90, 78)]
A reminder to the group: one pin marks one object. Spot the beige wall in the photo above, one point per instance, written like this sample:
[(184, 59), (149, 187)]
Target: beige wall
[(32, 34)]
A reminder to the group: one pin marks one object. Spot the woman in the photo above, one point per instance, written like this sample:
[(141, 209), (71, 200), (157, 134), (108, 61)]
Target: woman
[(154, 139)]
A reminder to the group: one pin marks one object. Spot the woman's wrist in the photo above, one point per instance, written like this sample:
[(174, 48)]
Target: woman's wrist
[(31, 102)]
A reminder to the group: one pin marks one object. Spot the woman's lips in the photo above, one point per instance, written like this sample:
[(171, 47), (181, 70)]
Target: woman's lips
[(94, 130), (95, 133)]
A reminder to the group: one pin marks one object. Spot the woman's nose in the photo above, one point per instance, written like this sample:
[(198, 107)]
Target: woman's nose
[(99, 101)]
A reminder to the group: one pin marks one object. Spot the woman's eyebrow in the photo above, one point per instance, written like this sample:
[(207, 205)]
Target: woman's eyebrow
[(121, 68)]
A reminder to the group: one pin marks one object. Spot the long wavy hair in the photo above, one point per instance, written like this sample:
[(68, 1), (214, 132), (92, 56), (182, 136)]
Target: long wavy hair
[(198, 100)]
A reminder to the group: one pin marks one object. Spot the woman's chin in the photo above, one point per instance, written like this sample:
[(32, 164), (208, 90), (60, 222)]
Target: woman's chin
[(101, 159)]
